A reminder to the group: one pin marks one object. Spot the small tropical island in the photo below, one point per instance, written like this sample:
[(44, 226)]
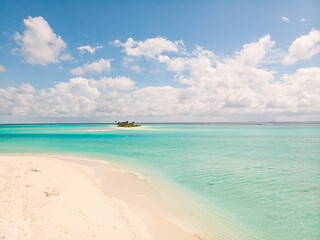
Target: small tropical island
[(127, 124)]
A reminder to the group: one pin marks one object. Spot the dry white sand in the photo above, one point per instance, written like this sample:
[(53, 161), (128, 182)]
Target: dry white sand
[(44, 197), (135, 128)]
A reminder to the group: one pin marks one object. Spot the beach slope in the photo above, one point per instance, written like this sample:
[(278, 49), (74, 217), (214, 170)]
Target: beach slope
[(44, 197)]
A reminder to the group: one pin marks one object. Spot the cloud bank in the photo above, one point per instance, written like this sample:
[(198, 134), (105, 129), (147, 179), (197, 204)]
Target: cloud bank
[(237, 85), (240, 86)]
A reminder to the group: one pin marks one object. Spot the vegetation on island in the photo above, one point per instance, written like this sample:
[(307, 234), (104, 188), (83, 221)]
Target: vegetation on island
[(127, 124)]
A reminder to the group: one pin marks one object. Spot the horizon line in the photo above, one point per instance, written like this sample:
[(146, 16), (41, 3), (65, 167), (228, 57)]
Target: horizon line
[(236, 122)]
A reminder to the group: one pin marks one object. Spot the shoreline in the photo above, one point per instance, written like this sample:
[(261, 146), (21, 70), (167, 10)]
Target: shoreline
[(146, 128), (76, 192)]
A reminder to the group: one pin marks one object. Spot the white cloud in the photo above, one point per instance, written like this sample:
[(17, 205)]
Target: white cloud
[(136, 68), (16, 102), (304, 78), (127, 60), (39, 44), (77, 86), (232, 87), (66, 56), (253, 53), (285, 19), (242, 65), (303, 19), (89, 49), (150, 48), (2, 69), (180, 64), (298, 92), (304, 47), (73, 98), (76, 97), (98, 67), (236, 82), (118, 83), (27, 88)]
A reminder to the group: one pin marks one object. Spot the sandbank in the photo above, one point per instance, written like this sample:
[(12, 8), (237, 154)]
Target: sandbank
[(145, 128)]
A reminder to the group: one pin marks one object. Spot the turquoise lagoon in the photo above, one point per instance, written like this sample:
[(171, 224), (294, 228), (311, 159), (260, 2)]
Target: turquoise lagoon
[(261, 181)]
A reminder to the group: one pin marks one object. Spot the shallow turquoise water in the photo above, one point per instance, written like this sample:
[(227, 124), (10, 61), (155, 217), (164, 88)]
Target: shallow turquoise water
[(265, 180)]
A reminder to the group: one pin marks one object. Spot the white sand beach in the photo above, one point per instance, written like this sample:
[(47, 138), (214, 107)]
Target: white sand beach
[(146, 128), (45, 197)]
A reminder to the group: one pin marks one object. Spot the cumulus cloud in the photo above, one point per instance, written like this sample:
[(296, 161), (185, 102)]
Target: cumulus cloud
[(149, 48), (295, 93), (304, 78), (180, 64), (235, 82), (66, 56), (17, 101), (78, 86), (304, 47), (98, 67), (127, 61), (298, 91), (71, 98), (136, 68), (241, 70), (285, 19), (27, 88), (89, 49), (118, 83), (303, 19), (237, 85), (2, 69), (39, 44), (253, 53)]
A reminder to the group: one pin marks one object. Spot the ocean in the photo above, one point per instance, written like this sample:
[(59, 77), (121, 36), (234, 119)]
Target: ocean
[(259, 181)]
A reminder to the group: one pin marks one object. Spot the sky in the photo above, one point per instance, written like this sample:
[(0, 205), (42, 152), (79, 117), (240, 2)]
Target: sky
[(159, 61)]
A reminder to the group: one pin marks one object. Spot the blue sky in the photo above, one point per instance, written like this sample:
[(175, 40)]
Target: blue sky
[(189, 84)]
